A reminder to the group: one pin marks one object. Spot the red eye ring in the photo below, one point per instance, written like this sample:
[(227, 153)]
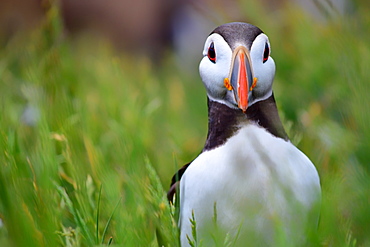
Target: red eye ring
[(266, 53), (212, 53)]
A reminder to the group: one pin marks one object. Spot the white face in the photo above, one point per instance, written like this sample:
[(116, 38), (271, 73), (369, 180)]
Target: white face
[(216, 66)]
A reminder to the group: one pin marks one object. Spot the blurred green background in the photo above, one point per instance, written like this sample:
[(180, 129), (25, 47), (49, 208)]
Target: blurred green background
[(96, 117)]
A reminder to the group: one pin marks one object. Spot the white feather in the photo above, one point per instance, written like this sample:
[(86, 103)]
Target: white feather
[(263, 71), (213, 74), (262, 186)]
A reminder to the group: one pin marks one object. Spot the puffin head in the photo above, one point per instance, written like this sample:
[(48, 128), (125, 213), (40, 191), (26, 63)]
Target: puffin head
[(236, 68)]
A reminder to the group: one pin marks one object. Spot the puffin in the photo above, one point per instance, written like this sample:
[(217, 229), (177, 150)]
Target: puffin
[(249, 186)]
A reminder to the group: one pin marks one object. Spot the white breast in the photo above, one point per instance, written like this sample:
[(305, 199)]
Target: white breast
[(264, 190)]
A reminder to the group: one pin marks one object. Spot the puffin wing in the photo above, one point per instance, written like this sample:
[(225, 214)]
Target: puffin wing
[(175, 182)]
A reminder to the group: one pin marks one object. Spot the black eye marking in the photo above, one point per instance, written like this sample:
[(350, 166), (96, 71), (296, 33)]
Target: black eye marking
[(266, 53), (212, 53)]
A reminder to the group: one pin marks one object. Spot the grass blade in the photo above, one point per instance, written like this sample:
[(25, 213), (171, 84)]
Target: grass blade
[(97, 216), (109, 220)]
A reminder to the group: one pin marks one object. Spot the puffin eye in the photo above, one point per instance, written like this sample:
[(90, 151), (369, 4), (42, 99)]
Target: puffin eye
[(212, 53), (266, 53)]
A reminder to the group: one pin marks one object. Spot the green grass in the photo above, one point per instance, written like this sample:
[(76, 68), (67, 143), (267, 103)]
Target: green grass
[(93, 169)]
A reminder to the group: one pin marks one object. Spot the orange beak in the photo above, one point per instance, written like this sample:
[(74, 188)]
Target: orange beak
[(241, 77)]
